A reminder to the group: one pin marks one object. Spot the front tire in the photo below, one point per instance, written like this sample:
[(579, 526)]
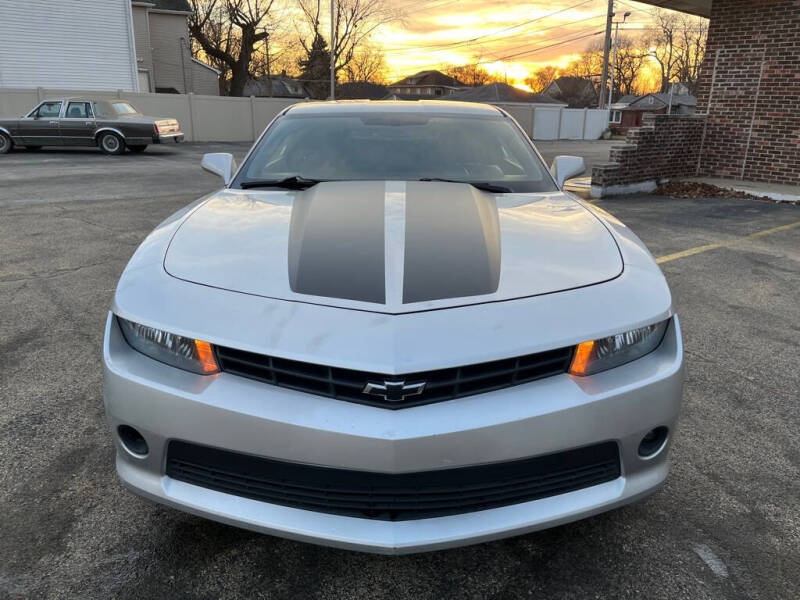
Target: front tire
[(111, 143), (138, 148), (5, 143)]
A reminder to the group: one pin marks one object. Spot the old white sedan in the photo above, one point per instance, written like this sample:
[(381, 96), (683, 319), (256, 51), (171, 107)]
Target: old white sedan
[(391, 331)]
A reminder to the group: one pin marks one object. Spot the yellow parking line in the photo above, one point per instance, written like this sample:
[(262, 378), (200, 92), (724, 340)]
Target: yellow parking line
[(733, 242)]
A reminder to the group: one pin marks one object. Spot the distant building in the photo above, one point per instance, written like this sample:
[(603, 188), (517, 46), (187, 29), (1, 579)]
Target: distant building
[(628, 111), (67, 44), (163, 55), (276, 86), (576, 92), (501, 92), (360, 90), (425, 84)]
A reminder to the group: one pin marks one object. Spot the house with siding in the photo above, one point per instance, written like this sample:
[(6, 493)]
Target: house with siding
[(164, 61), (67, 44), (424, 85), (629, 111)]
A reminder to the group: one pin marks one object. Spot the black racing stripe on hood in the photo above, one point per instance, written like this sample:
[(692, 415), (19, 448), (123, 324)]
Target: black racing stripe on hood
[(452, 242), (336, 241)]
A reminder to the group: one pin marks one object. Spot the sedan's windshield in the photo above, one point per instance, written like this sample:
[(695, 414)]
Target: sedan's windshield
[(485, 150)]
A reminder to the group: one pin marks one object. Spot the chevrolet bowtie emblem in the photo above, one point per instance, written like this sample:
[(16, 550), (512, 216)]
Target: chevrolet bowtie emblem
[(394, 391)]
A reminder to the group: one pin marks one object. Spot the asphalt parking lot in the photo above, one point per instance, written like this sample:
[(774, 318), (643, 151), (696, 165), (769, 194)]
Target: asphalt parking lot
[(726, 525)]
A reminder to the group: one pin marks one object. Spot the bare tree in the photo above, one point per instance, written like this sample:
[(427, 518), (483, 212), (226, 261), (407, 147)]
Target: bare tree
[(473, 74), (541, 78), (588, 65), (368, 64), (228, 32), (677, 45), (355, 21), (692, 42), (631, 59)]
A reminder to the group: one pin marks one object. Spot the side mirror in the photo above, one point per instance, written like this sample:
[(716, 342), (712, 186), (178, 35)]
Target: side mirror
[(220, 163), (564, 167)]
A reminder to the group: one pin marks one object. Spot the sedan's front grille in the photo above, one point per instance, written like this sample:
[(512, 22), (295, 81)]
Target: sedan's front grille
[(387, 496), (440, 384)]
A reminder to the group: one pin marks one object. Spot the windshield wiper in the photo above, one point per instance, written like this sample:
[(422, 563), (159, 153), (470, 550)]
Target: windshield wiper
[(295, 182), (481, 185)]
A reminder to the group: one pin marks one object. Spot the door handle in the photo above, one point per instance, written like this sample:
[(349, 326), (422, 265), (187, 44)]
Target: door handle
[(89, 122), (53, 122)]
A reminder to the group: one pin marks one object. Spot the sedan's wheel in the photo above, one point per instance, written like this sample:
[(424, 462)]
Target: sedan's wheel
[(5, 143), (111, 143), (137, 148)]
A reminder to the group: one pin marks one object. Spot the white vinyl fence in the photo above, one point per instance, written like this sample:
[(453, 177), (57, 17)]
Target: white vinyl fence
[(202, 118), (545, 122), (226, 119)]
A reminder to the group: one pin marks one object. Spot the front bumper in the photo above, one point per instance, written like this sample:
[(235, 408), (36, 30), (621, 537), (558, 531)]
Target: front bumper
[(163, 138), (538, 418)]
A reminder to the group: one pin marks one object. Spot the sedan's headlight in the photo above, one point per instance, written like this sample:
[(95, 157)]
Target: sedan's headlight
[(609, 352), (182, 352)]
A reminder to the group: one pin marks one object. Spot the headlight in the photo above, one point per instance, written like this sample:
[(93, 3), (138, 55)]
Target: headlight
[(182, 352), (606, 353)]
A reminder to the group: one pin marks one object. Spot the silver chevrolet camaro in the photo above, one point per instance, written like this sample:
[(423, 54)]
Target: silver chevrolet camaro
[(391, 331)]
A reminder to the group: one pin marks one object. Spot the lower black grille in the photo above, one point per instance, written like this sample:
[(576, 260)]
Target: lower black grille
[(439, 385), (392, 497)]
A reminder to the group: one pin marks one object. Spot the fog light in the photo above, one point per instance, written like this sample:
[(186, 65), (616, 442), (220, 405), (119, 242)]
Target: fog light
[(653, 441), (133, 441)]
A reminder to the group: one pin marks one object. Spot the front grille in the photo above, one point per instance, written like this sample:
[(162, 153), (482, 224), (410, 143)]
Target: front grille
[(392, 497), (349, 384)]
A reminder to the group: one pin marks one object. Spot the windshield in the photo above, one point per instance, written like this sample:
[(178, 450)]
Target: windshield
[(397, 146), (123, 108)]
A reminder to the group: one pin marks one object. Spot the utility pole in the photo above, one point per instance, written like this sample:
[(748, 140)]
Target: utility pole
[(606, 51), (614, 64), (332, 48)]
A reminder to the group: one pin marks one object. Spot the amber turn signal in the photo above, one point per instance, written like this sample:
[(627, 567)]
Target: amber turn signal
[(205, 356), (580, 362)]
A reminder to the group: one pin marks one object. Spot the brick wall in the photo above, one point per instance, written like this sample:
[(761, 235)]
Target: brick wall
[(750, 88), (666, 146)]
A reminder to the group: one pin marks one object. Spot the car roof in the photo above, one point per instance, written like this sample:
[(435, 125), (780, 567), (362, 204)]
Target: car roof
[(427, 107), (83, 99)]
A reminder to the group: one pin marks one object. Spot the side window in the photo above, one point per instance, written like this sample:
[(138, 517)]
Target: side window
[(49, 110), (79, 110)]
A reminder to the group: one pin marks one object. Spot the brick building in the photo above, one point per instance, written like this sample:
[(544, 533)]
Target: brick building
[(748, 107)]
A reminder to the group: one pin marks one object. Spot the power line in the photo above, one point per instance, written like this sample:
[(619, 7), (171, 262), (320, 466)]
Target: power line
[(510, 28), (503, 39), (539, 49), (524, 52)]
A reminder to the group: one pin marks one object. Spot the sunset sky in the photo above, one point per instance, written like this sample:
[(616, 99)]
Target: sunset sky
[(438, 32)]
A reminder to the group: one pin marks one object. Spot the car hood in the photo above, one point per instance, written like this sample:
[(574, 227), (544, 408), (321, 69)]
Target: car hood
[(392, 247)]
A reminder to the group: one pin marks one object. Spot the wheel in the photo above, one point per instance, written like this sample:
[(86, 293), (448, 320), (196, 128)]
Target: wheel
[(34, 148), (137, 148), (111, 143), (5, 143)]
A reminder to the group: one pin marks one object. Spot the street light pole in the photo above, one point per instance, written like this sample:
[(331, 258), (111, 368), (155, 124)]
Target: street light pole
[(614, 64), (606, 50), (332, 48)]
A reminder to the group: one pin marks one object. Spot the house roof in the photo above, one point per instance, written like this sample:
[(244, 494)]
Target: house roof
[(639, 102), (176, 5), (501, 92), (360, 90), (431, 77), (573, 86)]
